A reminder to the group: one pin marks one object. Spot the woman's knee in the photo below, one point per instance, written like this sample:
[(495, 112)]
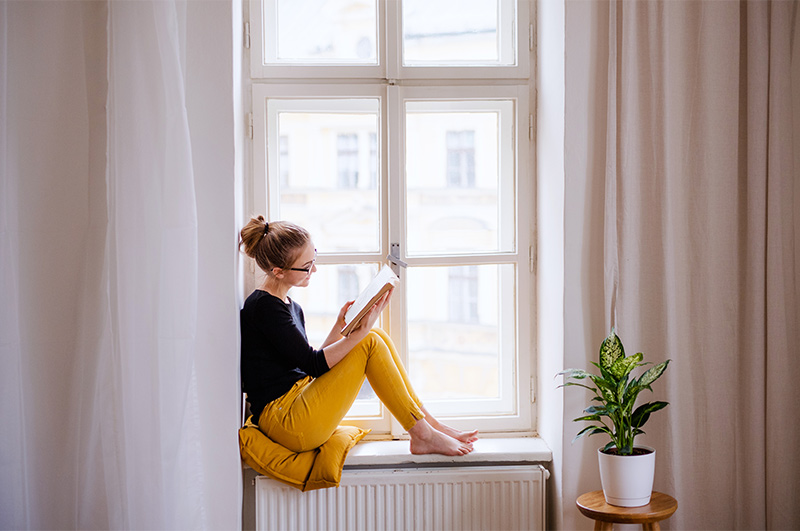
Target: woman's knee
[(373, 336), (368, 348), (371, 342), (376, 343)]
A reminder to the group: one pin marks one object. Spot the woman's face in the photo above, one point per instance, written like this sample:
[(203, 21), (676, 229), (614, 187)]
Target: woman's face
[(299, 273)]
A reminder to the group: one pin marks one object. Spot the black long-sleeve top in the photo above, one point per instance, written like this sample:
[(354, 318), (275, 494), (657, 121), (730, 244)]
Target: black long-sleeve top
[(275, 349)]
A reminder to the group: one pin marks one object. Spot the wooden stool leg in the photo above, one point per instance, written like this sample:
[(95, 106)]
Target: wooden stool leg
[(603, 526), (652, 526)]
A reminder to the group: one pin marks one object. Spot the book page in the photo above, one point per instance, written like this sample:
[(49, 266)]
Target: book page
[(380, 284)]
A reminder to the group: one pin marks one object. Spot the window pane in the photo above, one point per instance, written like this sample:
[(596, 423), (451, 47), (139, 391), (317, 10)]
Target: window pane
[(331, 189), (321, 31), (459, 32), (330, 287), (459, 349), (459, 177)]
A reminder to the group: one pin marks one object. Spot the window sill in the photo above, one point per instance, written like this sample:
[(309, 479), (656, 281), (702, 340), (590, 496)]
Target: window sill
[(395, 454)]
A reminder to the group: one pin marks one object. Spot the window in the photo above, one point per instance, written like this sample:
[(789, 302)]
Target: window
[(463, 294), (283, 160), (347, 160), (461, 158), (373, 159), (405, 125), (348, 283)]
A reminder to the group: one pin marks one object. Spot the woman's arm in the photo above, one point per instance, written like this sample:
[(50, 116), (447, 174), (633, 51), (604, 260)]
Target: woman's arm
[(336, 351), (335, 334)]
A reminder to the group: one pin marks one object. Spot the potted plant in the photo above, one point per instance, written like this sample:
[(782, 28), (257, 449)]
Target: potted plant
[(613, 413)]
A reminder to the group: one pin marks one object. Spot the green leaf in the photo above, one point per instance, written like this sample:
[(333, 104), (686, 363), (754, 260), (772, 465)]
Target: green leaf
[(591, 430), (583, 432), (611, 350), (569, 384), (578, 374), (653, 374), (620, 390), (609, 446), (600, 429), (608, 384), (596, 410), (608, 396), (623, 366), (642, 413)]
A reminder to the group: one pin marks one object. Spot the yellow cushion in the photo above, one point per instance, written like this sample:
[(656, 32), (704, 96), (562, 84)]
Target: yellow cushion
[(327, 469), (314, 469)]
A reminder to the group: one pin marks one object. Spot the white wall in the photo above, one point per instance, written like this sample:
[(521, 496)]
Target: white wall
[(584, 324)]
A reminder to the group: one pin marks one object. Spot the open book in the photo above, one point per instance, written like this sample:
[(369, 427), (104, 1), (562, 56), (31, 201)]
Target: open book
[(383, 282)]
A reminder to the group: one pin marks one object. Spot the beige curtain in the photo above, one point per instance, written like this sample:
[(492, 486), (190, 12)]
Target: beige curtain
[(700, 253)]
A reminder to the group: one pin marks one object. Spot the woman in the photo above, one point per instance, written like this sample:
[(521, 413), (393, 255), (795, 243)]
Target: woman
[(300, 394)]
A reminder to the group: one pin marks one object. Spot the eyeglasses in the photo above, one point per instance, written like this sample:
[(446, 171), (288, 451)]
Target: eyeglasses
[(306, 270)]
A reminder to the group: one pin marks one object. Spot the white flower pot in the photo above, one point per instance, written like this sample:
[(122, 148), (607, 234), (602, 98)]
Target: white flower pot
[(627, 479)]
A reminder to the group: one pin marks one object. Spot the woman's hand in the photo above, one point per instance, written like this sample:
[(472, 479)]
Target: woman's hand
[(340, 324), (372, 316), (337, 348), (336, 332)]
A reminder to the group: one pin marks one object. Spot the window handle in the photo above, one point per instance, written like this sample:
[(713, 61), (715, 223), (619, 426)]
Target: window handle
[(394, 258)]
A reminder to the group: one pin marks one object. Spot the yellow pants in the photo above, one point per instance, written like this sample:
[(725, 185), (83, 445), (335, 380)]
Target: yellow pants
[(307, 414)]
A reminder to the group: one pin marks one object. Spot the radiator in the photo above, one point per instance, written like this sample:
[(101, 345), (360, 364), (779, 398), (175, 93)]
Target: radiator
[(477, 497)]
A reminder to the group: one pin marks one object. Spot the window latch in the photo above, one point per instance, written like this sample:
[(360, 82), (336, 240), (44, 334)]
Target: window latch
[(394, 258)]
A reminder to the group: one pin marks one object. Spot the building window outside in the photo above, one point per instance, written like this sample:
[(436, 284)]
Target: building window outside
[(373, 160), (463, 288), (461, 158), (348, 283), (347, 160), (284, 159)]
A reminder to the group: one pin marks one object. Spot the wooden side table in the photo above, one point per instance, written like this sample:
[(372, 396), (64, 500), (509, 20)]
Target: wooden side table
[(594, 506)]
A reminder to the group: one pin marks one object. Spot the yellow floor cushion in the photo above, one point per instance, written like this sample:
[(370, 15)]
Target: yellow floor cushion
[(314, 469)]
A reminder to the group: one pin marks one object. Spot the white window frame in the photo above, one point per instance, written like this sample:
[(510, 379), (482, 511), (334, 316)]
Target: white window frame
[(522, 35), (389, 63), (260, 69), (392, 83)]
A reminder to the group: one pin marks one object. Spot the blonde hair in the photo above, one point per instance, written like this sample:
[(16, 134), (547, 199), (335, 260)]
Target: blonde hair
[(274, 244)]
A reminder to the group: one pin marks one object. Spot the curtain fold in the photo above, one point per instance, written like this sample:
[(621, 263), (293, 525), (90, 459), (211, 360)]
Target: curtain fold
[(12, 441), (151, 256), (700, 247), (102, 372)]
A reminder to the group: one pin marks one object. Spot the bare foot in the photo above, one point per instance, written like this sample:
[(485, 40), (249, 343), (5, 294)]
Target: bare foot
[(463, 436), (426, 440)]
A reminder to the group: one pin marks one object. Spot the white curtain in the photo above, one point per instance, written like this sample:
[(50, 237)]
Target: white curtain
[(700, 257), (119, 408)]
